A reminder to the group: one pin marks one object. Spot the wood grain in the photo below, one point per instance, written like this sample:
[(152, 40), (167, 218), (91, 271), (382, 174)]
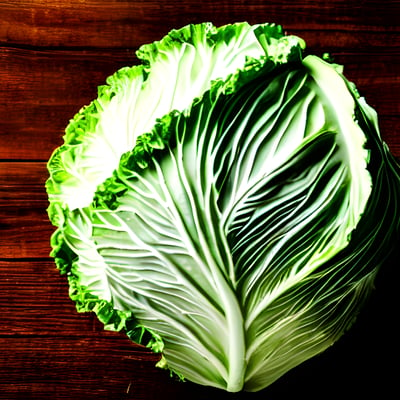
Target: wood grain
[(39, 280), (128, 24), (53, 56), (25, 228)]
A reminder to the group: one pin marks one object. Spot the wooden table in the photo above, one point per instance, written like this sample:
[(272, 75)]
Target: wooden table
[(53, 55)]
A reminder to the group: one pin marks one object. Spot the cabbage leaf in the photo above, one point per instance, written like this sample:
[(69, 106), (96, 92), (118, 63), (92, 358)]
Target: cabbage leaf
[(227, 203)]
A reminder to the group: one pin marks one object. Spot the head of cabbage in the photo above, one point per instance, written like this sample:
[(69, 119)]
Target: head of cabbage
[(227, 202)]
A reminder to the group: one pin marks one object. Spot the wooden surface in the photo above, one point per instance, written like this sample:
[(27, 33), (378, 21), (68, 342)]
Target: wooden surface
[(53, 55)]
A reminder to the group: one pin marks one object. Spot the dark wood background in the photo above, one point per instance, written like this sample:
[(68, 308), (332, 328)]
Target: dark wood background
[(53, 55)]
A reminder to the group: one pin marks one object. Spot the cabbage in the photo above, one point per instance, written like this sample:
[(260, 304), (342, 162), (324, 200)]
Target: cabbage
[(227, 203)]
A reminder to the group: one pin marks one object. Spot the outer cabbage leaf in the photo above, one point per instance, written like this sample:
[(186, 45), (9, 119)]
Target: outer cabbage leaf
[(241, 236), (173, 72)]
